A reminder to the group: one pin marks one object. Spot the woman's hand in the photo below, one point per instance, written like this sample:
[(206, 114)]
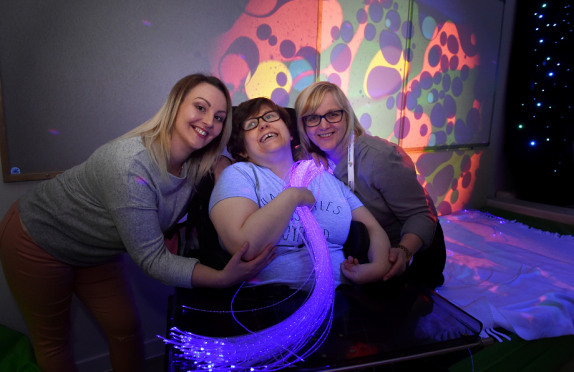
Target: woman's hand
[(318, 159), (222, 163), (398, 258), (237, 270), (304, 195), (362, 273)]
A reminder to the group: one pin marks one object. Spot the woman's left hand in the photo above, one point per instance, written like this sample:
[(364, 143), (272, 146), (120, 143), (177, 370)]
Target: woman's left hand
[(237, 270), (320, 160), (362, 273), (398, 258)]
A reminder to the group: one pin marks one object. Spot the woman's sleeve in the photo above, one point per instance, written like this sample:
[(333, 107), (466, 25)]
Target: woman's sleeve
[(394, 176), (132, 200), (140, 231), (234, 181)]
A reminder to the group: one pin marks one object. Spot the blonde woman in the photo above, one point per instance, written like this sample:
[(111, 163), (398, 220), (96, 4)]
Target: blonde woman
[(382, 176), (65, 235)]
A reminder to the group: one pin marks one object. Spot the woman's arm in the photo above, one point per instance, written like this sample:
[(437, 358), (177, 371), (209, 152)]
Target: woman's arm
[(398, 257), (236, 270), (239, 219), (378, 253), (408, 201), (394, 176)]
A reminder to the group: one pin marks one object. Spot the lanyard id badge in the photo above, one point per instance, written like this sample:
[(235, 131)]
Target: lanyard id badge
[(350, 162)]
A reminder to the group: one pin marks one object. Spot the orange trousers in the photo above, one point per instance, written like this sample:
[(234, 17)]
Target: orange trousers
[(43, 287)]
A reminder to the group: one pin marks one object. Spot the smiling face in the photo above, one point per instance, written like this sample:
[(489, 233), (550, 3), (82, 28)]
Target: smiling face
[(199, 120), (266, 141), (329, 136)]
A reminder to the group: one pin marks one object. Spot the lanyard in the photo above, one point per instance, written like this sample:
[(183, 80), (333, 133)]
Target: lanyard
[(350, 159)]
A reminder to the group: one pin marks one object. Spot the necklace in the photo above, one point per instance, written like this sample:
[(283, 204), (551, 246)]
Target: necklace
[(177, 172)]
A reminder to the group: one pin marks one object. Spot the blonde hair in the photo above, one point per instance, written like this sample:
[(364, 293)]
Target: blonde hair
[(307, 103), (156, 132)]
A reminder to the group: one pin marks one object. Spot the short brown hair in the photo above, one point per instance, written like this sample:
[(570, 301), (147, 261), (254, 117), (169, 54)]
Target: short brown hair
[(247, 110)]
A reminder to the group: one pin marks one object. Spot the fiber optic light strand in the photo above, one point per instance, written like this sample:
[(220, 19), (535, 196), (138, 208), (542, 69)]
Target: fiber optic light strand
[(287, 342)]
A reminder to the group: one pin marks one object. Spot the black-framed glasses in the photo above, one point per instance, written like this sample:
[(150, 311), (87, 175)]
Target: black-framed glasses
[(331, 117), (253, 123)]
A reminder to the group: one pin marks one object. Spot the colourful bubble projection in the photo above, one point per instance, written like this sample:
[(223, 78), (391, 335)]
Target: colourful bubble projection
[(270, 51), (416, 84), (412, 73)]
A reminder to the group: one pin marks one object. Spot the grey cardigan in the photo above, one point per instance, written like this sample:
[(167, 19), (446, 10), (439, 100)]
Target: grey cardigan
[(115, 202), (386, 183)]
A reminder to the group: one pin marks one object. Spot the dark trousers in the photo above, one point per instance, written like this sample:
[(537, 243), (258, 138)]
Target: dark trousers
[(428, 265)]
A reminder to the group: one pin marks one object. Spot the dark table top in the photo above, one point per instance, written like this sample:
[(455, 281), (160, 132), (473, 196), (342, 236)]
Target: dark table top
[(372, 325)]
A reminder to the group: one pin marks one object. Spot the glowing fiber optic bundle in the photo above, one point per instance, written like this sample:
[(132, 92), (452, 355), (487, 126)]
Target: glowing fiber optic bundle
[(289, 341)]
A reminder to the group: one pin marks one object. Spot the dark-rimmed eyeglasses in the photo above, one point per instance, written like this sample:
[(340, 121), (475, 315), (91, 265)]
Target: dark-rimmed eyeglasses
[(253, 123), (331, 117)]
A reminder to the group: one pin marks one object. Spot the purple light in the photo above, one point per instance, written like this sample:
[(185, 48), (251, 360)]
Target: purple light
[(287, 342), (141, 181)]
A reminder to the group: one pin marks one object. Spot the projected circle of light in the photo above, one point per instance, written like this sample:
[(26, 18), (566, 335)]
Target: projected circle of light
[(264, 81), (287, 342)]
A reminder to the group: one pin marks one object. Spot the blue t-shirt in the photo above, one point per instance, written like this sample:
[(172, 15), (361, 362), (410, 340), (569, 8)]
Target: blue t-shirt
[(334, 203)]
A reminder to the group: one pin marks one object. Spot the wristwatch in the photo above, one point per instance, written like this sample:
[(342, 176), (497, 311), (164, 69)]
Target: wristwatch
[(407, 252)]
